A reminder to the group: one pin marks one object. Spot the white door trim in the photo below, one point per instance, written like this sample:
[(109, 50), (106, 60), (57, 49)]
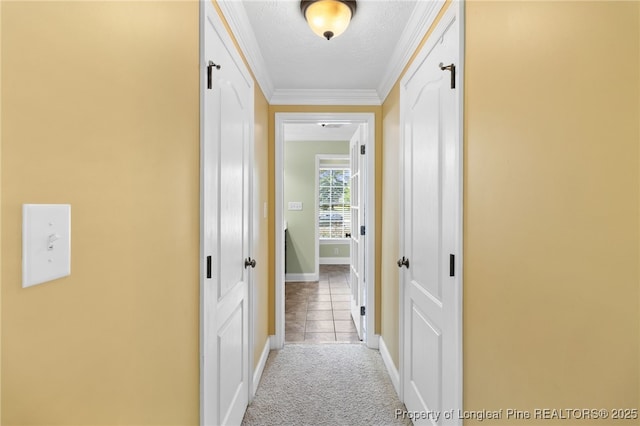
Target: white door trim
[(281, 120), (454, 12), (208, 12)]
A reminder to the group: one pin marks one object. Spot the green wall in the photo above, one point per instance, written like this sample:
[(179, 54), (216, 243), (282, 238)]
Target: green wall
[(299, 185), (329, 250)]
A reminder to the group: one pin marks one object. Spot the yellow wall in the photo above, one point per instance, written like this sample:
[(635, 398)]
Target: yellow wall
[(551, 205), (273, 109), (0, 213), (390, 222), (100, 110), (260, 234)]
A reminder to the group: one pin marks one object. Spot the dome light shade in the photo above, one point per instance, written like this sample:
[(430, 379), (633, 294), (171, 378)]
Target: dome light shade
[(328, 18)]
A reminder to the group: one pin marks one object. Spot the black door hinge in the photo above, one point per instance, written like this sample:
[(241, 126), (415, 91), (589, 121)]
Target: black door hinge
[(363, 149), (208, 266), (452, 265), (363, 230), (362, 310), (451, 68), (210, 68)]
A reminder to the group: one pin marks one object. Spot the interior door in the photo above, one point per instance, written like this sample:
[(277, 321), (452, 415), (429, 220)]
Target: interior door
[(431, 191), (227, 103), (357, 276)]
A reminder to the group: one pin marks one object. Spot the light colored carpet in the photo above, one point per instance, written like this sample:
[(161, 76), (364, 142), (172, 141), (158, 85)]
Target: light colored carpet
[(325, 384)]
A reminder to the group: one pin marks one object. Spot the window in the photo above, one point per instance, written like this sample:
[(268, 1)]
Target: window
[(334, 203)]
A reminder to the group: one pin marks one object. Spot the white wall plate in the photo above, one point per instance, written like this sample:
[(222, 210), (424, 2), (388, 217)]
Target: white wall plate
[(46, 242)]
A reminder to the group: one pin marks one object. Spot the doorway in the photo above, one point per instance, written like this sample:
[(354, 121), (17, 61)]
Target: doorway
[(365, 122)]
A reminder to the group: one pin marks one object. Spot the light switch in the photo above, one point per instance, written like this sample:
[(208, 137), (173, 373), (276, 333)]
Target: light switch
[(46, 242), (295, 205)]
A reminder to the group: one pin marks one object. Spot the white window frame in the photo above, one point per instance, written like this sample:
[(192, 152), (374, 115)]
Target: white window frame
[(319, 159)]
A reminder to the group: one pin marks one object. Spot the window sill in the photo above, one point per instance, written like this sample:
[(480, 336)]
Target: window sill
[(335, 241)]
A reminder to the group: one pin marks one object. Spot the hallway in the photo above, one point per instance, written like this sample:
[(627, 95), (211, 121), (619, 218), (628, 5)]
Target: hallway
[(320, 311), (325, 384)]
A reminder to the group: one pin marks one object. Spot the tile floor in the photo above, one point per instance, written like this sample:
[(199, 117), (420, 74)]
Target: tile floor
[(320, 311)]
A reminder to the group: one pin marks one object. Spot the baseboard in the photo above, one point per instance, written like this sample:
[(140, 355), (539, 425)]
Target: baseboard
[(335, 260), (388, 362), (275, 345), (257, 374), (301, 277)]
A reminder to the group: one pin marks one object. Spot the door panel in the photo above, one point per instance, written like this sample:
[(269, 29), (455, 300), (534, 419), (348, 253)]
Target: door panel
[(226, 137), (233, 187), (432, 318), (356, 276)]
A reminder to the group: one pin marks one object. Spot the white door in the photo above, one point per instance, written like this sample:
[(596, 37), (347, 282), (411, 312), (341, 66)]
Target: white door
[(431, 223), (227, 103), (357, 276)]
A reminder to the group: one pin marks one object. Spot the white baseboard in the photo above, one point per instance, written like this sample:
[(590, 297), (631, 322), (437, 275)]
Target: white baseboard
[(257, 375), (373, 341), (335, 260), (391, 368), (275, 344), (301, 277)]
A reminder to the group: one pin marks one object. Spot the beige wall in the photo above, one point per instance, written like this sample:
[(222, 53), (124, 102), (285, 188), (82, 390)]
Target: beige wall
[(551, 205), (262, 270), (390, 223), (117, 118), (100, 110), (0, 212)]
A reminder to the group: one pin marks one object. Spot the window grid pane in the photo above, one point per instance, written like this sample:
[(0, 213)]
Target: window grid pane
[(334, 201)]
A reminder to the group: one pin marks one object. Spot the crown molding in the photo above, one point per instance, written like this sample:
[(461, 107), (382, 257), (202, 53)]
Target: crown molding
[(236, 17), (325, 97), (419, 24)]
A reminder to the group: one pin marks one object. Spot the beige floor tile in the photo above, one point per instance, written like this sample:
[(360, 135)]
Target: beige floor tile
[(345, 327), (319, 315), (338, 306), (295, 326), (319, 326), (294, 337), (319, 337), (341, 315), (296, 307), (340, 297), (347, 337), (320, 298), (319, 306), (296, 316)]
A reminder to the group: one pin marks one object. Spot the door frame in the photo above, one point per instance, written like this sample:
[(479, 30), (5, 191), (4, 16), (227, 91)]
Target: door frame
[(281, 120), (208, 12), (455, 11)]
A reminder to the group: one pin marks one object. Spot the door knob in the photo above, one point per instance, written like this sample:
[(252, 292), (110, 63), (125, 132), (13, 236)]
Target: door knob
[(249, 262), (403, 262)]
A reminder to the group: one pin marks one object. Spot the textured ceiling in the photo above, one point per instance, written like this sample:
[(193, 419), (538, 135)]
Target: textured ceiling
[(296, 58), (293, 66)]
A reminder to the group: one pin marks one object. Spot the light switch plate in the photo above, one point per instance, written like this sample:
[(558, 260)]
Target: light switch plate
[(46, 242), (295, 205)]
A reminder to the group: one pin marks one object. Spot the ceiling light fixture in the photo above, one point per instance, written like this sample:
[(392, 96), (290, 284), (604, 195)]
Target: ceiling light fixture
[(328, 18)]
